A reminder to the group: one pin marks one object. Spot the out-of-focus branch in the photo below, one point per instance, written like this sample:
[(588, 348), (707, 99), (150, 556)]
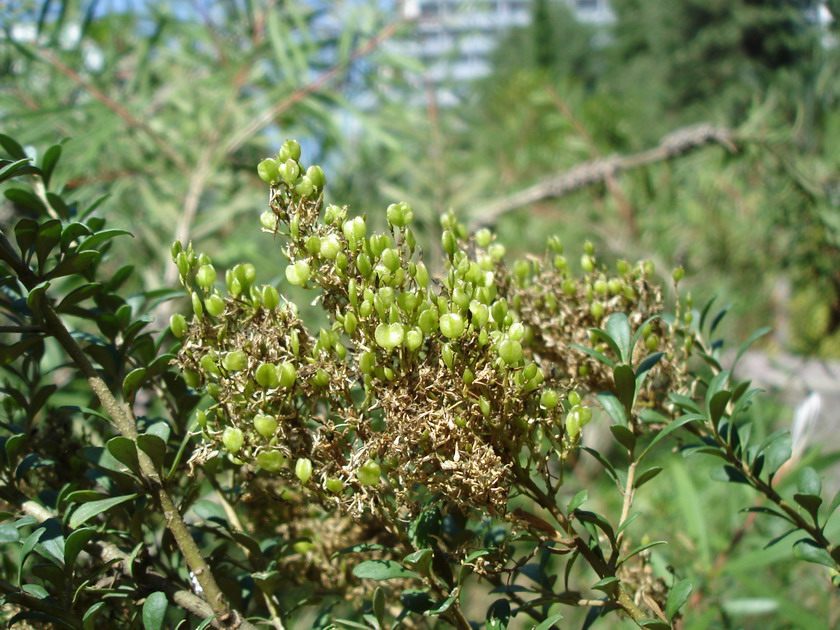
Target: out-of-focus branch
[(269, 115), (673, 145)]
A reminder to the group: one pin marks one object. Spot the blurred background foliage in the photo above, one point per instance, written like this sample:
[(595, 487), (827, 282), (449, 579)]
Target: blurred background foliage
[(168, 107)]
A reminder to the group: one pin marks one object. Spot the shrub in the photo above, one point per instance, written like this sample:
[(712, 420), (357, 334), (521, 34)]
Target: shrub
[(412, 455)]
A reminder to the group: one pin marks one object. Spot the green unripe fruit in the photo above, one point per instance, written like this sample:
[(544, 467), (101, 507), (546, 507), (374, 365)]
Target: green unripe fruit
[(400, 214), (270, 297), (305, 188), (574, 398), (480, 313), (688, 317), (330, 247), (389, 336), (289, 149), (483, 237), (516, 331), (316, 176), (235, 361), (321, 378), (447, 355), (289, 171), (560, 263), (587, 264), (596, 309), (468, 376), (367, 362), (287, 374), (350, 323), (600, 287), (623, 267), (422, 275), (521, 269), (266, 375), (333, 213), (584, 414), (201, 418), (334, 485), (452, 325), (499, 310), (484, 406), (408, 301), (313, 245), (265, 425), (569, 287), (529, 372), (652, 343), (272, 461), (428, 320), (615, 287), (583, 370), (678, 274), (366, 308), (178, 325), (209, 366), (298, 273), (205, 276), (460, 297), (176, 249), (233, 439), (267, 170), (183, 264), (510, 351), (413, 339), (588, 248), (325, 339), (215, 305), (391, 259), (549, 399), (303, 547), (369, 473), (572, 425), (496, 251), (449, 243), (269, 221), (192, 379), (648, 267), (303, 469), (363, 264)]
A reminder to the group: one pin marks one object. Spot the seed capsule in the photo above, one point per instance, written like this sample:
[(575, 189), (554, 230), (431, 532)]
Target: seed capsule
[(303, 469), (452, 325), (265, 425), (235, 361), (298, 273), (510, 351), (215, 305), (233, 439), (205, 276), (178, 325), (369, 473), (272, 461), (270, 297), (268, 170), (266, 375), (549, 399), (287, 374), (334, 485)]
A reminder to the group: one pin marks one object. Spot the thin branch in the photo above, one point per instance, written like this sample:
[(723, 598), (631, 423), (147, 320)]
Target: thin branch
[(21, 329), (268, 116), (115, 107), (673, 145)]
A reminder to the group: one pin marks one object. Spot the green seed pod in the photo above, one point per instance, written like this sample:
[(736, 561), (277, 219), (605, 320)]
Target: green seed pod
[(352, 292), (521, 269), (294, 342), (560, 263), (176, 249), (294, 227), (246, 274), (428, 320), (366, 308), (303, 469), (484, 406), (198, 308), (483, 237), (410, 240), (391, 259), (266, 426), (367, 362), (325, 339), (192, 379), (629, 293), (510, 351), (321, 378), (449, 243), (266, 375), (648, 267), (333, 213), (468, 376), (688, 317), (549, 399), (271, 461), (369, 473), (316, 176), (574, 398), (496, 251), (350, 323), (600, 287), (555, 244), (270, 297), (178, 325), (452, 325), (422, 275), (341, 262), (363, 264), (589, 248), (334, 485), (235, 361), (483, 337), (652, 343), (269, 221), (400, 214), (215, 305), (233, 439), (572, 425), (408, 301), (615, 287), (340, 351), (268, 170), (330, 247), (201, 418), (529, 372), (569, 287), (389, 336), (587, 263), (289, 171), (499, 310), (205, 276), (287, 374), (305, 187), (447, 355), (480, 313), (313, 245), (596, 309), (584, 414), (516, 331), (359, 228), (298, 273), (183, 264), (413, 339), (289, 149)]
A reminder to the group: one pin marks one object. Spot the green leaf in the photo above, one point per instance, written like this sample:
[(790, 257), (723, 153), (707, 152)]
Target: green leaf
[(36, 295), (132, 382), (10, 170), (810, 551), (51, 541), (27, 200), (608, 584), (74, 544), (154, 611), (624, 436), (717, 384), (25, 231), (89, 618), (777, 453), (758, 334), (378, 605), (154, 447), (654, 624), (642, 548), (416, 601), (810, 502), (809, 481), (602, 358), (646, 476), (549, 622), (8, 354), (77, 295), (603, 461), (419, 560), (677, 597), (87, 511), (48, 236), (717, 406), (124, 451), (382, 570), (676, 424), (51, 157), (625, 386), (92, 241), (618, 327), (613, 406), (26, 548), (12, 147), (9, 533), (577, 500)]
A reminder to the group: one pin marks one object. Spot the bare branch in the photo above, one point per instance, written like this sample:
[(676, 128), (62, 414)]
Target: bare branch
[(595, 171)]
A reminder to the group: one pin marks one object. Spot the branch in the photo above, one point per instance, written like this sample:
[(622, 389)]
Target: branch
[(269, 115), (673, 145)]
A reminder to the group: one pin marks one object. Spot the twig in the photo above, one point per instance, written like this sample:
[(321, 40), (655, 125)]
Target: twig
[(673, 145)]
